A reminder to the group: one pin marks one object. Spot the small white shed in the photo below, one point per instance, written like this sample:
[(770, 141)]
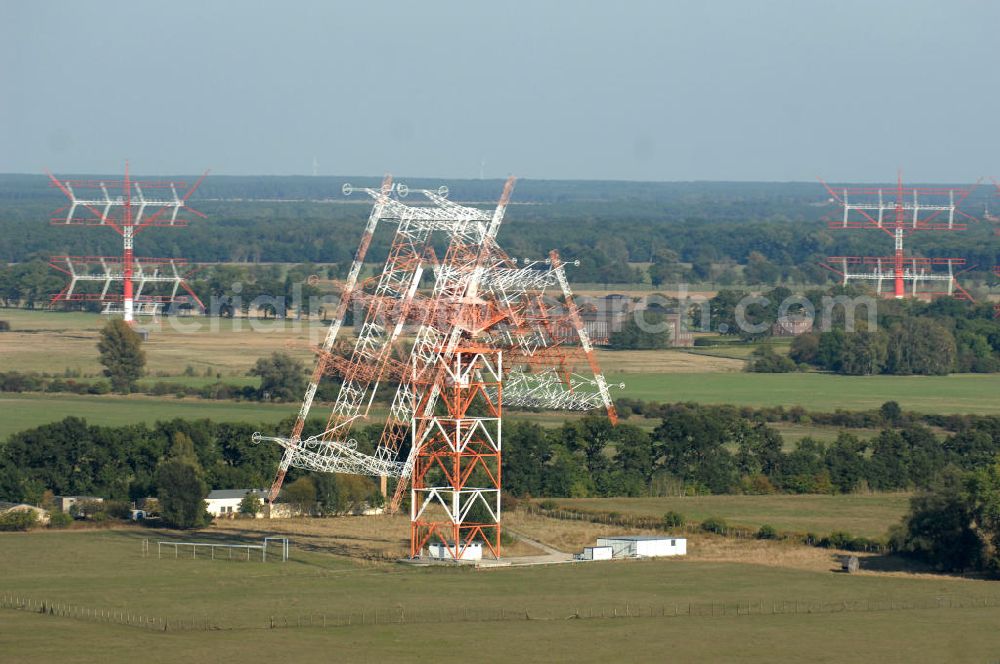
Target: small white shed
[(637, 546), (226, 502), (597, 553), (472, 551)]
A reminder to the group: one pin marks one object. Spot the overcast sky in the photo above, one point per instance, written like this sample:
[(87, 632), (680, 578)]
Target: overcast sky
[(657, 90)]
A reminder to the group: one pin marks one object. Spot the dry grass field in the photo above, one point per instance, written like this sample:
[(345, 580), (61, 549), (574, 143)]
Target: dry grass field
[(52, 342), (665, 362), (572, 536), (867, 515), (364, 537)]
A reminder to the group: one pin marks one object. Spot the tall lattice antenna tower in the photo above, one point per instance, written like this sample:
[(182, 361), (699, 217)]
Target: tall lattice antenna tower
[(482, 336), (900, 212), (128, 207)]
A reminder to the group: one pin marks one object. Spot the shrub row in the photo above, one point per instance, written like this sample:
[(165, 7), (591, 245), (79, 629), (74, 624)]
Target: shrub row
[(18, 520), (847, 419), (14, 381)]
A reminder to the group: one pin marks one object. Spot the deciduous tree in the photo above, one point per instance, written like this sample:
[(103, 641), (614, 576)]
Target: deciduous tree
[(282, 377), (122, 355)]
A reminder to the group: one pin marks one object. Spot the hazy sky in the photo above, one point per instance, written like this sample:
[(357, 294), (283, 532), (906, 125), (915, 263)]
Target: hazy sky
[(657, 90)]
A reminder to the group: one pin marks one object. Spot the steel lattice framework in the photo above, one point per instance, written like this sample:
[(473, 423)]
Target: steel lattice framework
[(128, 207), (485, 328), (455, 495), (899, 213)]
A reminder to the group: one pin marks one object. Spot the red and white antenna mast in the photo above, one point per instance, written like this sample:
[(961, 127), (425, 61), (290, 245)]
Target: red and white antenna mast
[(140, 205), (900, 212)]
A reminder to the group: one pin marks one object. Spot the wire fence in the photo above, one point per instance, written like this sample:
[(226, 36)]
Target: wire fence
[(87, 614), (734, 532), (219, 550), (399, 615)]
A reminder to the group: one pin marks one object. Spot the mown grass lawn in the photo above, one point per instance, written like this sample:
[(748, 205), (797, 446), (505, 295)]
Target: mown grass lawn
[(24, 411), (105, 570)]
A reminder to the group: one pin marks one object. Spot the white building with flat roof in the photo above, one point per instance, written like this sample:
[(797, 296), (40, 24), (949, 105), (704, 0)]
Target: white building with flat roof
[(471, 551), (64, 503), (643, 546), (597, 553), (226, 502)]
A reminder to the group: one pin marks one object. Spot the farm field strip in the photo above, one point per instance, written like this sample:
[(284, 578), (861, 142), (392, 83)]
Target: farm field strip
[(954, 635), (791, 433), (49, 342), (26, 410), (101, 569), (23, 411), (867, 515), (958, 393)]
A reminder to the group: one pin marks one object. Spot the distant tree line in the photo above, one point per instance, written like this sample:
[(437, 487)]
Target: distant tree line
[(72, 457), (728, 233), (176, 461), (694, 449), (911, 338), (706, 450)]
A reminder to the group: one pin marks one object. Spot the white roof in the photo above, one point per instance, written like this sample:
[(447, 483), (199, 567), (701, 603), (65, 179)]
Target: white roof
[(638, 538), (228, 494)]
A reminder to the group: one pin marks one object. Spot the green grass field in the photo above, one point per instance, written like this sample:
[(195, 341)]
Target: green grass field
[(105, 570), (739, 350), (865, 515), (958, 393), (23, 411), (791, 433), (942, 635), (198, 381), (27, 410)]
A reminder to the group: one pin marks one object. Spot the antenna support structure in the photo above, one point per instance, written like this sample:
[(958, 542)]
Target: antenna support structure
[(455, 330)]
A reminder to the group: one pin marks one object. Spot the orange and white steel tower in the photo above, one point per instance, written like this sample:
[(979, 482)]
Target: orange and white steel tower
[(483, 334), (456, 475)]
